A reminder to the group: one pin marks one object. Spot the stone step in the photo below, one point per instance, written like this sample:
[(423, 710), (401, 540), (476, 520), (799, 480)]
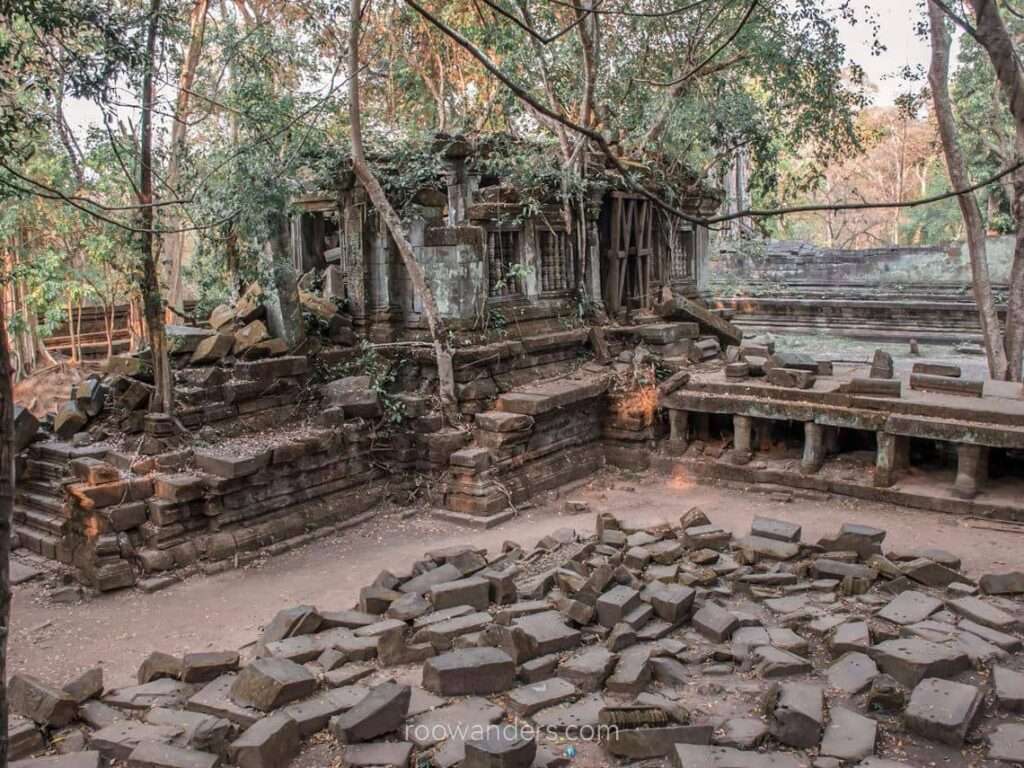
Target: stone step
[(59, 452), (30, 499), (43, 469), (43, 522), (35, 541)]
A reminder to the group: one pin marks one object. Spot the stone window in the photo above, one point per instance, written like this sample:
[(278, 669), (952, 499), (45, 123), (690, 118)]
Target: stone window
[(557, 265), (684, 251), (504, 260)]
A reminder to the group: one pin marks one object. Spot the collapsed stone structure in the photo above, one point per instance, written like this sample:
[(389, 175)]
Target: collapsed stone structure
[(669, 645)]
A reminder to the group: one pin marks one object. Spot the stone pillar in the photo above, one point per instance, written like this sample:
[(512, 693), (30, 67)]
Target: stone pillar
[(885, 460), (741, 451), (969, 467), (814, 448), (678, 424)]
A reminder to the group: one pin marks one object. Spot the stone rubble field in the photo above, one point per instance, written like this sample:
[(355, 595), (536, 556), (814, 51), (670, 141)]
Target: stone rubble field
[(682, 646)]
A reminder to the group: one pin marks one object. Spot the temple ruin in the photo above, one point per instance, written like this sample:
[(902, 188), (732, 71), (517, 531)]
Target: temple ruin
[(608, 334)]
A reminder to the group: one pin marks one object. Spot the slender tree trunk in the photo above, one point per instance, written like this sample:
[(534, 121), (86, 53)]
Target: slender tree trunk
[(174, 242), (6, 517), (445, 370), (163, 396), (938, 78), (995, 38)]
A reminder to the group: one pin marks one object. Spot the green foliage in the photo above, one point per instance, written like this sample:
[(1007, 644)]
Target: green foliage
[(382, 371)]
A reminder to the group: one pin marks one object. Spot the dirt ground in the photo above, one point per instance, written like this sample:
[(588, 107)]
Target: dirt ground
[(227, 611)]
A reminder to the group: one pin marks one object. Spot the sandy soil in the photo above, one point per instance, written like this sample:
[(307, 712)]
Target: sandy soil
[(227, 611)]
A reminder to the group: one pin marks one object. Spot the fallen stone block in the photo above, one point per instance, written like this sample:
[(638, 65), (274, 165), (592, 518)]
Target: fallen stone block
[(714, 622), (909, 607), (118, 740), (852, 673), (911, 660), (780, 530), (772, 662), (271, 742), (207, 666), (86, 686), (849, 736), (646, 743), (39, 701), (632, 672), (930, 573), (474, 592), (88, 759), (796, 714), (23, 737), (792, 378), (1006, 743), (851, 636), (269, 683), (980, 612), (943, 710), (382, 711), (313, 714), (758, 547), (205, 733), (1010, 583), (215, 699), (588, 669), (614, 604), (469, 671), (507, 748), (384, 754), (528, 699), (150, 754), (1009, 688), (700, 756)]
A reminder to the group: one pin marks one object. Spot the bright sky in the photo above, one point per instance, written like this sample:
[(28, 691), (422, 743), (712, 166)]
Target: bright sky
[(897, 20)]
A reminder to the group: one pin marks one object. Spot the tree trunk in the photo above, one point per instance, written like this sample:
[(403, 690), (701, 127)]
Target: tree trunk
[(6, 517), (174, 242), (163, 395), (442, 354), (938, 78), (995, 38)]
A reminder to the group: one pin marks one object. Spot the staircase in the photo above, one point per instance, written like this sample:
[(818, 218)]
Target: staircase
[(39, 509)]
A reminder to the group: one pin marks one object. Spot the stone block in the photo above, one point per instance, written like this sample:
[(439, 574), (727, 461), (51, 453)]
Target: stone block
[(469, 671), (39, 701), (796, 714), (382, 711), (531, 698), (650, 743), (942, 710), (85, 686), (780, 530), (1009, 688), (852, 673), (909, 607), (269, 683), (384, 754), (849, 736), (507, 748), (1006, 743), (615, 604), (207, 666), (980, 612), (271, 742), (474, 592), (118, 740), (313, 714), (715, 622), (1009, 583), (150, 754), (588, 669), (911, 660)]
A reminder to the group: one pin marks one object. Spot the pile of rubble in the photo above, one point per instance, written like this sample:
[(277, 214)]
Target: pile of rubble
[(678, 645)]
